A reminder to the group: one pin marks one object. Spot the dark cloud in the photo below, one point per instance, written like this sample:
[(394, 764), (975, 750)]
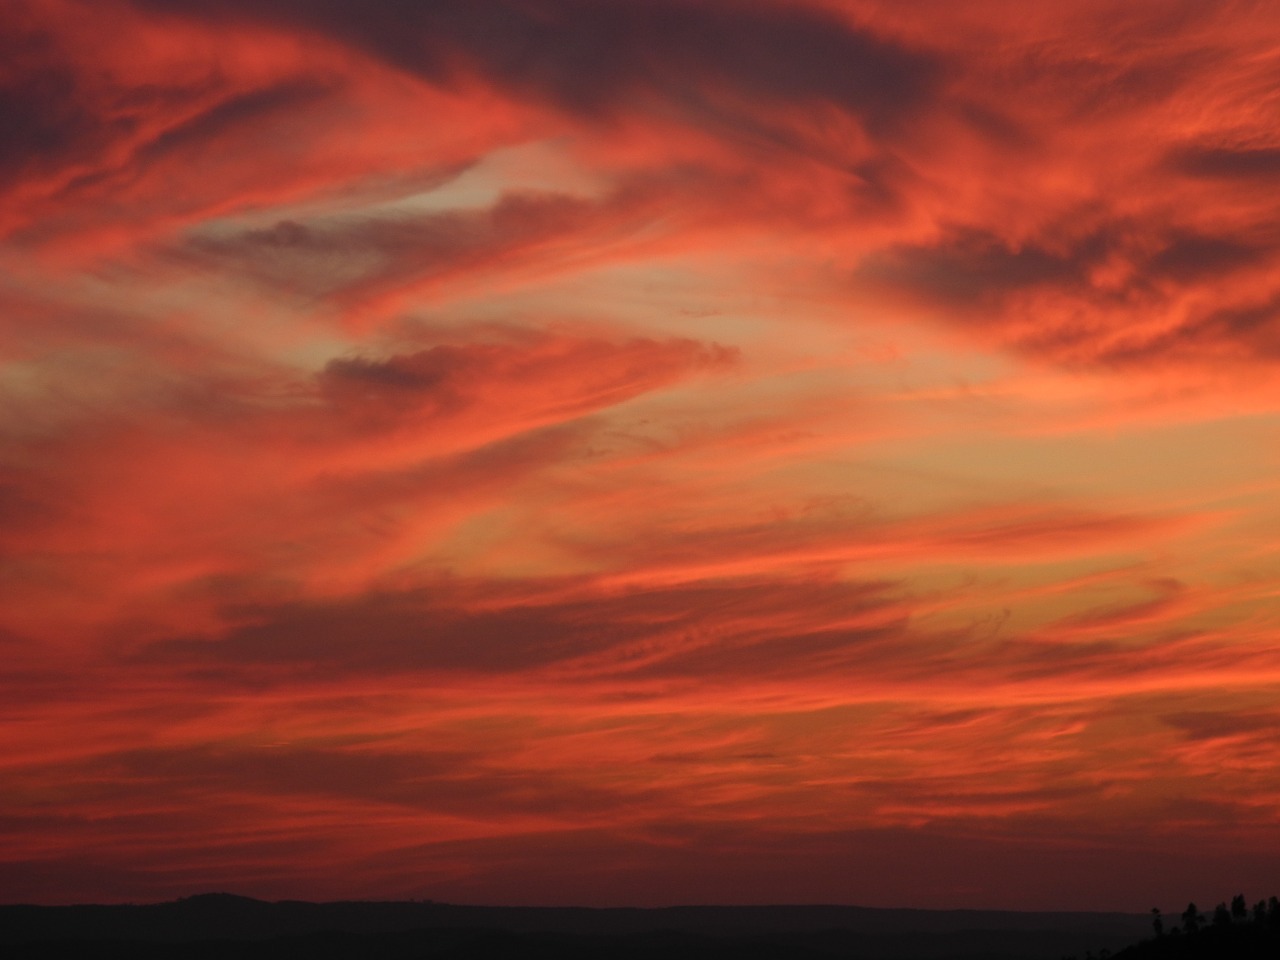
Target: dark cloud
[(398, 632), (455, 781), (438, 376), (439, 630), (113, 145), (1227, 163), (355, 261), (1209, 725), (1088, 296), (47, 116), (1187, 257), (527, 378), (591, 57), (1257, 325), (1249, 331), (1038, 661), (225, 115), (410, 373), (372, 264), (42, 122), (363, 771), (803, 651), (56, 113), (971, 268)]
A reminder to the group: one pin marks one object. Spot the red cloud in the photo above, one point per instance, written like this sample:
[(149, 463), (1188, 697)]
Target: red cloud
[(442, 445)]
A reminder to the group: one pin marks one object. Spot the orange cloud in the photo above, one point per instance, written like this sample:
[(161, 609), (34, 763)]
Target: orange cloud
[(669, 450)]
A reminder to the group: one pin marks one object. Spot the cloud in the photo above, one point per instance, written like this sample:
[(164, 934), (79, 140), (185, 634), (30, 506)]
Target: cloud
[(689, 630), (236, 470), (1226, 163), (450, 783), (764, 609), (552, 378), (124, 143), (44, 123), (375, 266), (462, 441), (590, 59), (1123, 294), (1200, 725), (968, 271)]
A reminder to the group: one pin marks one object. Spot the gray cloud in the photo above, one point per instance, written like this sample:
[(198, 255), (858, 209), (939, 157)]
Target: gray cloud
[(1227, 163), (452, 628), (594, 58)]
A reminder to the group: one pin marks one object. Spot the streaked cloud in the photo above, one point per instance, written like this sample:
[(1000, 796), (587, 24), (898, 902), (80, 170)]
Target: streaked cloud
[(443, 446)]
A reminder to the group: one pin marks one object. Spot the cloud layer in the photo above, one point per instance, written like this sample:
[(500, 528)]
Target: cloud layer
[(566, 451)]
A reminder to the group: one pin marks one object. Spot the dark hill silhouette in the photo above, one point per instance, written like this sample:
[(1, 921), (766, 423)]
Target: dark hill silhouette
[(1233, 943), (1230, 933), (223, 925)]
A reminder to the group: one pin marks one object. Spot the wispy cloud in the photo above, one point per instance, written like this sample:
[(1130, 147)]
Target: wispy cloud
[(443, 446)]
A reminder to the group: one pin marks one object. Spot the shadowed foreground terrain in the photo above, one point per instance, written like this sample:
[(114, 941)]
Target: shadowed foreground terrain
[(221, 925)]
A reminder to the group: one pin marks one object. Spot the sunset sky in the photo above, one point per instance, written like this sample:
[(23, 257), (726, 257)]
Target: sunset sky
[(667, 451)]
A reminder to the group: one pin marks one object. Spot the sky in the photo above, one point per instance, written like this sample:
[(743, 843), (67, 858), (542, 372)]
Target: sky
[(690, 451)]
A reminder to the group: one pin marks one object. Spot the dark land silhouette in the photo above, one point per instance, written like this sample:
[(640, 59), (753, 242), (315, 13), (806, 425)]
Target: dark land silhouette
[(222, 925), (1234, 931), (214, 926)]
